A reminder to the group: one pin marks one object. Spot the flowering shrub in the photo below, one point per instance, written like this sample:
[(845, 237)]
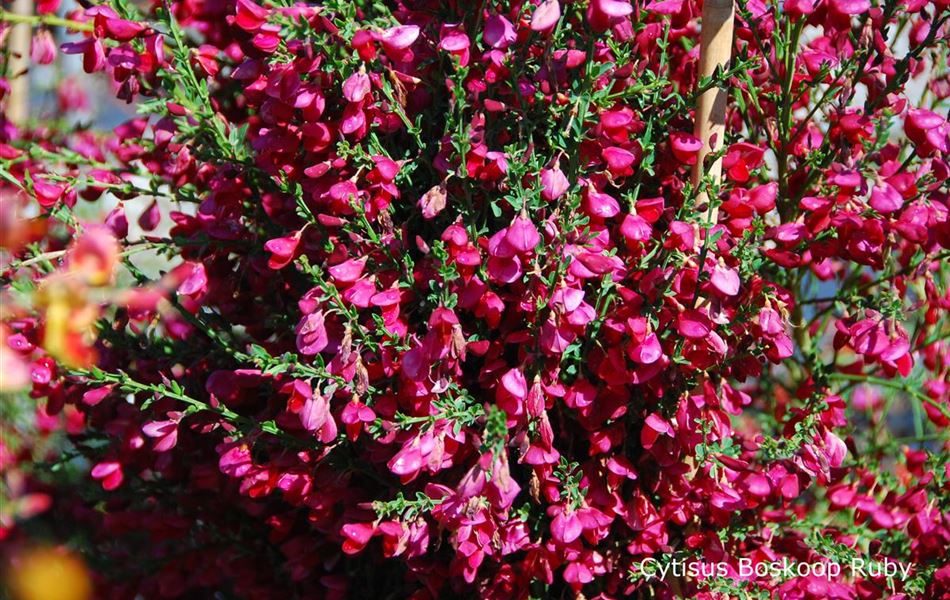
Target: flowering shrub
[(440, 314)]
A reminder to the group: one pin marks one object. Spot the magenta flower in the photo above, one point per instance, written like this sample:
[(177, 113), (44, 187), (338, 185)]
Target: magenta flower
[(312, 334), (546, 16), (685, 147), (43, 48), (499, 32), (603, 14), (109, 473), (348, 271), (522, 236), (47, 194), (885, 198), (418, 300), (249, 15), (553, 183), (165, 432), (928, 130), (283, 251)]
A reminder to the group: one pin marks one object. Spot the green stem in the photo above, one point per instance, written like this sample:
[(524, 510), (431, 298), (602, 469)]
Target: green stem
[(48, 20), (126, 383), (892, 384), (785, 117), (848, 292)]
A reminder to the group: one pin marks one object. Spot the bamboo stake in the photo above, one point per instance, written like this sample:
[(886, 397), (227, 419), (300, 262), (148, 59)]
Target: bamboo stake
[(18, 63), (715, 50)]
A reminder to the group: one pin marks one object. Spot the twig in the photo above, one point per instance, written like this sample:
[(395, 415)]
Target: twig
[(38, 259)]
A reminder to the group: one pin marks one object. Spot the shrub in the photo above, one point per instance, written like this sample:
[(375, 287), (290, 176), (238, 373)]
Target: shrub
[(440, 312)]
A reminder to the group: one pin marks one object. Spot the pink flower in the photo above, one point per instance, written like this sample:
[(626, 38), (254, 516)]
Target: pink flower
[(314, 412), (165, 432), (635, 228), (93, 53), (522, 235), (499, 32), (406, 463), (648, 351), (348, 271), (109, 473), (311, 334), (929, 131), (682, 236), (267, 38), (885, 199), (546, 16), (553, 183), (600, 205), (741, 158), (356, 87), (685, 147), (96, 395), (150, 217), (512, 393), (693, 324), (360, 293), (433, 202), (397, 40), (283, 250), (604, 14), (619, 161), (495, 202), (117, 222), (47, 7), (43, 48), (613, 8), (357, 536), (456, 42), (235, 461), (354, 416), (108, 24), (566, 525), (196, 283), (400, 37), (47, 194), (799, 7), (654, 427), (850, 7), (665, 7), (250, 16), (762, 197), (725, 280)]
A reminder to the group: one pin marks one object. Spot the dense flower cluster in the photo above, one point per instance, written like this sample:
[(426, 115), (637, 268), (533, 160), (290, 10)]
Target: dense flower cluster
[(442, 316)]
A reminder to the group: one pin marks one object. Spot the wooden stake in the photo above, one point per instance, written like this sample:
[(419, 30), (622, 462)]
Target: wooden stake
[(710, 127), (18, 63), (715, 50)]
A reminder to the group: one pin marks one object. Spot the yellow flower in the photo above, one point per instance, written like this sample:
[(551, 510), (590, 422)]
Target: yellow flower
[(49, 574), (69, 318)]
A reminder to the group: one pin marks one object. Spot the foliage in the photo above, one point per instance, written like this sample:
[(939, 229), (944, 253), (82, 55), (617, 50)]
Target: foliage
[(441, 313)]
